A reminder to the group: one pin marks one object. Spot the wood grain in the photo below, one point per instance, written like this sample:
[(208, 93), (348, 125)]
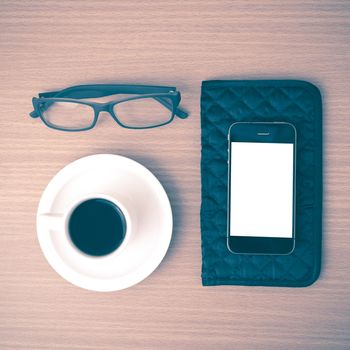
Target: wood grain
[(49, 45)]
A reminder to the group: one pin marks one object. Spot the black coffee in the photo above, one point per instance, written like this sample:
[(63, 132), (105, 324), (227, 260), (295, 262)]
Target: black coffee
[(97, 227)]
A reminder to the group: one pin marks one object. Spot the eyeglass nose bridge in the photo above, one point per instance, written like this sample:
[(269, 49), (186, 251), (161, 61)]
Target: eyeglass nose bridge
[(103, 107)]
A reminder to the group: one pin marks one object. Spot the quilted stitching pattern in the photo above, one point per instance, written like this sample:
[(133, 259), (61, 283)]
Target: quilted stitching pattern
[(226, 102)]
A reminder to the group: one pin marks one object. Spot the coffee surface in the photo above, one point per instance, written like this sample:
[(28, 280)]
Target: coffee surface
[(97, 227)]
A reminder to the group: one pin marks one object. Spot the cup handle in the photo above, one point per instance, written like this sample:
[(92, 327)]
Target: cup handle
[(52, 221)]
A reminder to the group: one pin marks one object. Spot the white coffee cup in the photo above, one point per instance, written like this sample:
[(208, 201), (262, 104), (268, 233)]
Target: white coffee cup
[(59, 222)]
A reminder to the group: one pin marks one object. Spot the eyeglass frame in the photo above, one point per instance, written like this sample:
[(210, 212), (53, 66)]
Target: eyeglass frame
[(160, 93)]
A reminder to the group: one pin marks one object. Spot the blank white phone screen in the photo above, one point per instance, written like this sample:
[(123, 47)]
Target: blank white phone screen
[(261, 198)]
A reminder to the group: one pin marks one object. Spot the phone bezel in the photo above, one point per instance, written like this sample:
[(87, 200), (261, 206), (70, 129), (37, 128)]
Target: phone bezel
[(264, 132)]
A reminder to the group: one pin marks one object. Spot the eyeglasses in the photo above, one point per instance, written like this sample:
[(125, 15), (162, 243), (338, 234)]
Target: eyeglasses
[(148, 106)]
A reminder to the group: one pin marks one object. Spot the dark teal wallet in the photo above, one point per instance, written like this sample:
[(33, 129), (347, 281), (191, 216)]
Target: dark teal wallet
[(223, 103)]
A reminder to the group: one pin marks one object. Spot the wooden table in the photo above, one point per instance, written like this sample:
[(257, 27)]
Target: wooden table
[(47, 45)]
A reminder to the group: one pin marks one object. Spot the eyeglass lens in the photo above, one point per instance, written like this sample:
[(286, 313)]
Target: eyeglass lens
[(143, 112), (67, 115)]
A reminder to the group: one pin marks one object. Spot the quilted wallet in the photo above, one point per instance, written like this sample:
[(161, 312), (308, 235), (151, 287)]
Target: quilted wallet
[(228, 101)]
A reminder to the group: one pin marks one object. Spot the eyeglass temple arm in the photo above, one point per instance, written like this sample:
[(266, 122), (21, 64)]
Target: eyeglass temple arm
[(34, 114), (178, 111)]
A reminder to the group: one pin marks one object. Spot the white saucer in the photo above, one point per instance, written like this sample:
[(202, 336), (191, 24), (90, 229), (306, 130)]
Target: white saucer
[(139, 192)]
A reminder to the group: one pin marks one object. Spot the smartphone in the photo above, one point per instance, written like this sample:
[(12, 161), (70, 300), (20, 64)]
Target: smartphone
[(261, 191)]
